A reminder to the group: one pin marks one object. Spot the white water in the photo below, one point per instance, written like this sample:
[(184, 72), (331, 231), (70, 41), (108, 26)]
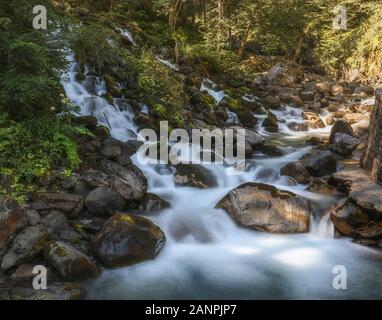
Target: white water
[(128, 35), (207, 256)]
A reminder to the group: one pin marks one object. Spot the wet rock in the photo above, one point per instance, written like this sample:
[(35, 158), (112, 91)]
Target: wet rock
[(353, 118), (297, 171), (246, 118), (24, 275), (285, 74), (320, 163), (270, 150), (26, 245), (104, 201), (57, 291), (330, 121), (344, 144), (314, 118), (69, 204), (264, 207), (270, 122), (69, 262), (12, 220), (320, 186), (152, 203), (102, 133), (340, 126), (299, 127), (192, 175), (126, 240), (296, 101), (337, 89)]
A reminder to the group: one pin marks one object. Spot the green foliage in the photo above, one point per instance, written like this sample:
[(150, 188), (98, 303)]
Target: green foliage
[(33, 149), (93, 44), (161, 89)]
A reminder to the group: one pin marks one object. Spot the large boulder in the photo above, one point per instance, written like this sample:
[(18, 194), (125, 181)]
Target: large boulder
[(26, 246), (347, 217), (344, 144), (285, 74), (340, 126), (264, 207), (69, 262), (104, 201), (320, 163), (193, 175), (297, 171), (57, 227), (69, 204), (126, 239), (372, 158), (12, 220)]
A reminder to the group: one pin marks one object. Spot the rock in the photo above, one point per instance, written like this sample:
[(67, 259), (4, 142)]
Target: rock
[(192, 175), (246, 118), (57, 291), (297, 171), (126, 240), (12, 220), (320, 163), (285, 74), (347, 217), (361, 188), (340, 127), (272, 102), (307, 95), (315, 118), (104, 201), (320, 186), (23, 276), (294, 126), (57, 226), (26, 245), (344, 144), (271, 150), (296, 101), (337, 89), (330, 121), (353, 118), (130, 180), (264, 207), (368, 90), (152, 203), (69, 183), (33, 217), (323, 87), (371, 159), (270, 122), (69, 262), (95, 179), (254, 139), (102, 133), (88, 122), (69, 204), (111, 151)]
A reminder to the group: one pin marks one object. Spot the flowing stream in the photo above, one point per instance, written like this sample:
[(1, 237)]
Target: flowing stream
[(207, 256)]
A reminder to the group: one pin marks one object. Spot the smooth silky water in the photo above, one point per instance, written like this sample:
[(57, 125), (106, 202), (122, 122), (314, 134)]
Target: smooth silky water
[(206, 255)]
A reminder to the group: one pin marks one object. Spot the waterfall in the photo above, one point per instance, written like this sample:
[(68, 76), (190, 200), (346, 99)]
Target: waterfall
[(207, 256)]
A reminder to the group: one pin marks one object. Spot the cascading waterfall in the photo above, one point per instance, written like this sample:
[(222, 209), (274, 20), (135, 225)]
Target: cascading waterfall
[(206, 254)]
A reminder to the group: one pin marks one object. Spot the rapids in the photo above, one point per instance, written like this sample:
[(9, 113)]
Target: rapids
[(207, 256)]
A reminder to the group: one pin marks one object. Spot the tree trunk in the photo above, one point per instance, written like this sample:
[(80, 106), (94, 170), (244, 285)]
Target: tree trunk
[(372, 158), (244, 40)]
